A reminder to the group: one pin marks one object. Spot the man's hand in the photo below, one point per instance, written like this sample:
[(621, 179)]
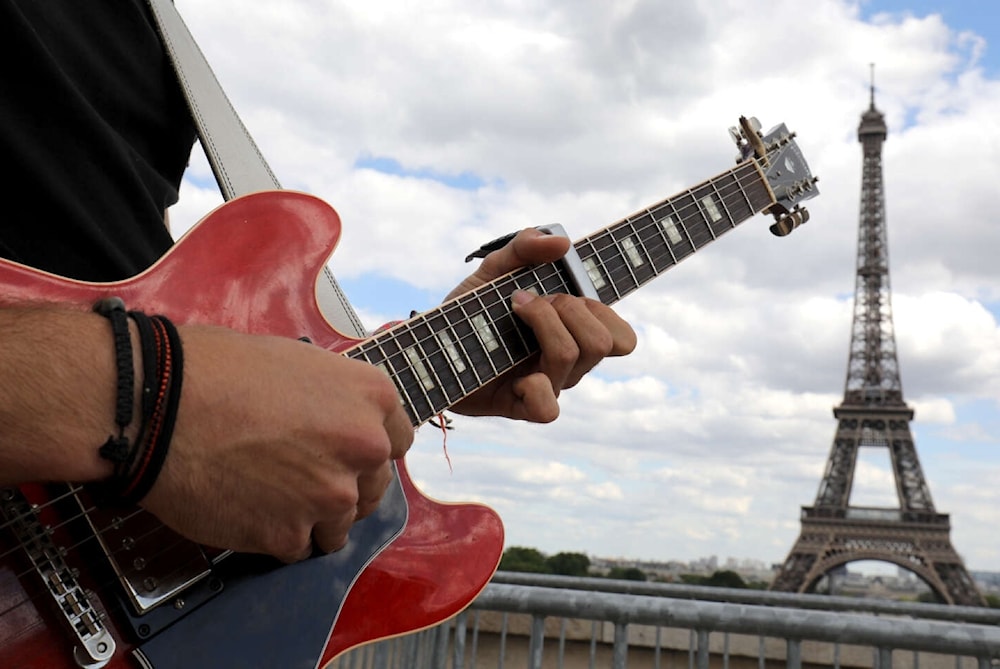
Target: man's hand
[(279, 446), (574, 334)]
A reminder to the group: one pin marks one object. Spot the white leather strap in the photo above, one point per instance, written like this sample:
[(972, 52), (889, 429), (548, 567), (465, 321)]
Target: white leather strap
[(237, 163)]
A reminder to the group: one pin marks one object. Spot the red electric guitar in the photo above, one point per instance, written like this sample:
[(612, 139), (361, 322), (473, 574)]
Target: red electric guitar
[(83, 586)]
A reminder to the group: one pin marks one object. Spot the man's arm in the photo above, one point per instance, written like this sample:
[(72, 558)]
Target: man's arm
[(277, 444)]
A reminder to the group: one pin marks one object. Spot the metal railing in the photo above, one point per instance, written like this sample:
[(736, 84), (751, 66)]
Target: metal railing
[(541, 622)]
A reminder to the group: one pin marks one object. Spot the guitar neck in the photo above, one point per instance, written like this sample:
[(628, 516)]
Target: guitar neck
[(441, 356)]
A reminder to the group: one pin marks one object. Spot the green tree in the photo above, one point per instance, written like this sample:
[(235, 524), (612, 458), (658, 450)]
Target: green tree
[(725, 578), (520, 558), (627, 573), (569, 564)]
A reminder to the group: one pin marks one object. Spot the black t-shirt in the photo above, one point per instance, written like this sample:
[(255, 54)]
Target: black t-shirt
[(94, 134)]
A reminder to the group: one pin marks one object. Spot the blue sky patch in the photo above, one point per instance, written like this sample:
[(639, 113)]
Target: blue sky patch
[(973, 15), (385, 295), (463, 181)]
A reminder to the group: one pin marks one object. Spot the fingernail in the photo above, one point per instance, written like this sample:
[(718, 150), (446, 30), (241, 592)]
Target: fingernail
[(522, 296)]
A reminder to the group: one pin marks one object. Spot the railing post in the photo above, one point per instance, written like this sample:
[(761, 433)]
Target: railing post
[(458, 651), (380, 655), (439, 654), (883, 658), (619, 654), (702, 649), (537, 642), (593, 644), (562, 642), (793, 654), (503, 641)]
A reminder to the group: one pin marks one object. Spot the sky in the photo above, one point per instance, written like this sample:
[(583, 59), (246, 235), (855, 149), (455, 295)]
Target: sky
[(433, 128)]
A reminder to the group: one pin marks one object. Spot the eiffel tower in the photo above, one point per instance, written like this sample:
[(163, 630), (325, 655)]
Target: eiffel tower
[(873, 414)]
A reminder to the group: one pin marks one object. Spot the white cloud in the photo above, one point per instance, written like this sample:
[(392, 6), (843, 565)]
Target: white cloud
[(709, 437)]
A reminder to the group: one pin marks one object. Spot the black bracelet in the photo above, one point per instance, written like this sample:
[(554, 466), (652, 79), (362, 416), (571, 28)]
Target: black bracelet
[(137, 466), (116, 449), (156, 442)]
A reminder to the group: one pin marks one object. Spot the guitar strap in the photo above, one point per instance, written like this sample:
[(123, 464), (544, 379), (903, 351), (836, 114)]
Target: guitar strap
[(237, 163)]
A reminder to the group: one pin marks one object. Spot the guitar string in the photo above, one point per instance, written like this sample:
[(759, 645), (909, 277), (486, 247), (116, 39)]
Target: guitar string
[(114, 553), (697, 239)]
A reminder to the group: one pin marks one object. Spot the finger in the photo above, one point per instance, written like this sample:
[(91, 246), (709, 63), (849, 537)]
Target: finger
[(558, 346), (399, 428), (623, 337), (594, 341), (371, 490), (534, 399), (529, 247), (330, 536), (303, 551)]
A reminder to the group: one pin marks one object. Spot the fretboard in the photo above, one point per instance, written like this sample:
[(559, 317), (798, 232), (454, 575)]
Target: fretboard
[(441, 356)]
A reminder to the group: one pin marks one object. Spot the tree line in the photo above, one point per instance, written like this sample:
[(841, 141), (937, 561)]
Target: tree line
[(532, 560)]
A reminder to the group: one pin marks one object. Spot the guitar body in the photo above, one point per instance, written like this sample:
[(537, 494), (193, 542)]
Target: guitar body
[(250, 265)]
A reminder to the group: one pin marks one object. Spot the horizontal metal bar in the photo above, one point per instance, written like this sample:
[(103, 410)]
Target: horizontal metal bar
[(970, 614), (850, 628)]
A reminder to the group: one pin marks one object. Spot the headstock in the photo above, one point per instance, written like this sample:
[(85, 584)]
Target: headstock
[(784, 167)]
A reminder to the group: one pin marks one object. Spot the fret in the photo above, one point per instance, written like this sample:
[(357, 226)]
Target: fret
[(677, 225), (709, 208), (734, 198), (726, 222), (468, 347), (623, 276), (473, 341), (407, 379), (709, 213), (698, 221), (542, 280), (451, 354), (496, 321), (608, 261), (640, 258), (519, 339), (655, 241), (762, 196), (428, 360), (371, 351), (588, 256)]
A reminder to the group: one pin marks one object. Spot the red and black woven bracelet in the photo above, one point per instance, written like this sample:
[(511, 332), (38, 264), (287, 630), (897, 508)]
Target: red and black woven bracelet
[(162, 411)]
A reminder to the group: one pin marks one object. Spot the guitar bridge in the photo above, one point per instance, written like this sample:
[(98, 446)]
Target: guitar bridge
[(95, 646)]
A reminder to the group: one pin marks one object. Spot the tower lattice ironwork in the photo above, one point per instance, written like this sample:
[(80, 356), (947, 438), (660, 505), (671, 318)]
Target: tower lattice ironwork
[(873, 414)]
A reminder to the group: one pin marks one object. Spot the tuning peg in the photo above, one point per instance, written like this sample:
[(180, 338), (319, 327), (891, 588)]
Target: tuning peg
[(785, 223)]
